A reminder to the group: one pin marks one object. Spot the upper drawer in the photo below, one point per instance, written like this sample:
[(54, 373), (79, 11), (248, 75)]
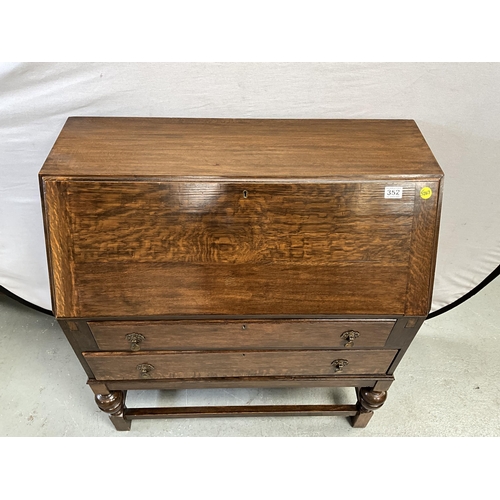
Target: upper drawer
[(254, 334), (125, 248)]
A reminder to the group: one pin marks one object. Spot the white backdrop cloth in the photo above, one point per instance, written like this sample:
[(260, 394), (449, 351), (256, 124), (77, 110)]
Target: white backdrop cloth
[(456, 106)]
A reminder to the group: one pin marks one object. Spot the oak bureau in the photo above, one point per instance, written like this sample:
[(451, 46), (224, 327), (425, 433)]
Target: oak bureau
[(216, 253)]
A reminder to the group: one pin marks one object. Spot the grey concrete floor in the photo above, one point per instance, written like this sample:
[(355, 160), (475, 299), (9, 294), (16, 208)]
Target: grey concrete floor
[(448, 384)]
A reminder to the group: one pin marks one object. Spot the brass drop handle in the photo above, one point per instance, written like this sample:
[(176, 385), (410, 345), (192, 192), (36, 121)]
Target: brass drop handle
[(145, 370), (135, 340), (350, 335), (339, 364)]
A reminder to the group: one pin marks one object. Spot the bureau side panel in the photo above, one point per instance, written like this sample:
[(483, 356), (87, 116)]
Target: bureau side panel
[(423, 247), (135, 248), (59, 247)]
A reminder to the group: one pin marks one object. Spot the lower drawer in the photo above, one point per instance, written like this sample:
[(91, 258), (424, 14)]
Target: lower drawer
[(230, 334), (210, 364)]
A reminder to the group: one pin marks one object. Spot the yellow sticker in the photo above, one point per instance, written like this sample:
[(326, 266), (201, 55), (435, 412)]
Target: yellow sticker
[(425, 193)]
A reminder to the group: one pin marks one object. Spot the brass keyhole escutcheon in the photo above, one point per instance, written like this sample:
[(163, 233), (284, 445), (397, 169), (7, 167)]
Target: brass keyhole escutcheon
[(350, 335), (145, 370), (339, 364), (135, 340)]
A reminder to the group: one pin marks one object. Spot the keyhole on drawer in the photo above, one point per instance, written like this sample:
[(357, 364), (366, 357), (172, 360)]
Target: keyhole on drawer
[(245, 193), (244, 327)]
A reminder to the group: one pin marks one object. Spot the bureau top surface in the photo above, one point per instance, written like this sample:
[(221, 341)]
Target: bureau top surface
[(189, 148)]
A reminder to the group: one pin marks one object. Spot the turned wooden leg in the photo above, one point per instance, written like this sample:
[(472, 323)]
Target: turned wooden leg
[(368, 401), (112, 403)]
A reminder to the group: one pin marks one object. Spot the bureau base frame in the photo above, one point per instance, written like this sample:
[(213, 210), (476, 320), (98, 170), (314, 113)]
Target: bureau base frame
[(369, 399)]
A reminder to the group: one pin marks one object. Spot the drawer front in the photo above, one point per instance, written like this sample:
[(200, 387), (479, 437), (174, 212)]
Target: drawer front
[(199, 364), (254, 334)]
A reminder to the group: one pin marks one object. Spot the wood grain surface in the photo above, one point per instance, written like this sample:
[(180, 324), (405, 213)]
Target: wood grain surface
[(297, 223), (239, 251), (241, 411), (367, 380), (145, 289), (203, 222), (199, 364), (240, 148), (251, 334), (174, 248), (423, 249)]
